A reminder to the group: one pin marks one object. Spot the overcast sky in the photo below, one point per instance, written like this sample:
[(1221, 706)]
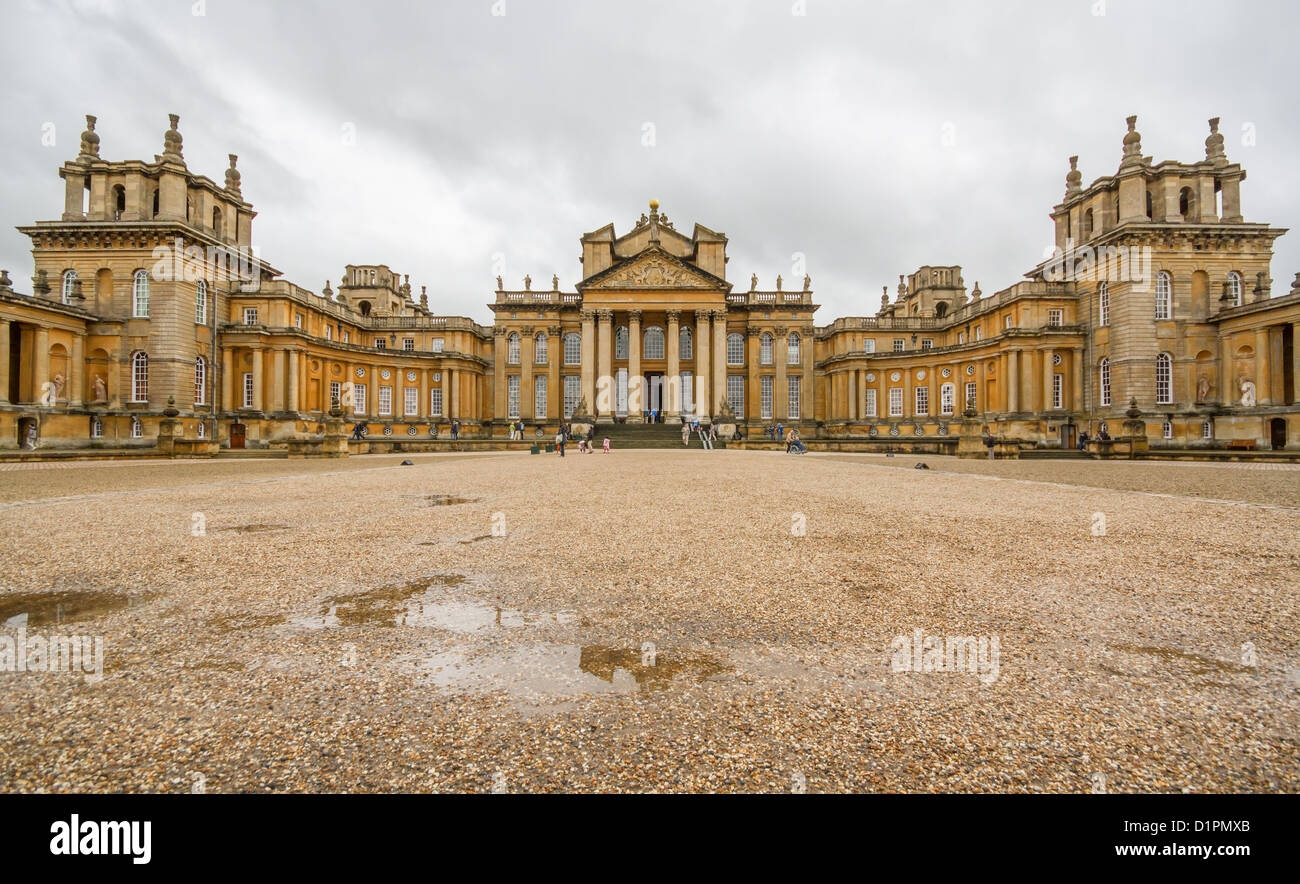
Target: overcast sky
[(871, 137)]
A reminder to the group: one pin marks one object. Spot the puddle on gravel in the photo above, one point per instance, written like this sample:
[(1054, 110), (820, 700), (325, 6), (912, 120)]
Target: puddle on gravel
[(449, 500), (1195, 664), (32, 609), (549, 671), (253, 529), (409, 604)]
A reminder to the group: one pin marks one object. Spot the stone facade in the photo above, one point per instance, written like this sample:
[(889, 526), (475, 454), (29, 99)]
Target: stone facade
[(1157, 302)]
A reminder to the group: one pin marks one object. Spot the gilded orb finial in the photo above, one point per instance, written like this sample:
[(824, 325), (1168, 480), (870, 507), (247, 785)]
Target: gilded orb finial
[(654, 205)]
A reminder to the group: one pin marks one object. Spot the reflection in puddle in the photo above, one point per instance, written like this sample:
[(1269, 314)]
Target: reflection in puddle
[(544, 671), (477, 539), (449, 500), (253, 529), (32, 609), (1195, 664), (408, 604)]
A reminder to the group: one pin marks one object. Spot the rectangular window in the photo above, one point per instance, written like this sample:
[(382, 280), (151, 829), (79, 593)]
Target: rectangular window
[(1006, 323), (381, 344), (765, 388), (512, 397), (572, 349), (96, 428), (895, 401), (540, 348), (979, 333), (412, 403), (336, 389), (385, 400), (871, 403), (1058, 391), (922, 400), (927, 343), (572, 393), (793, 397), (735, 349), (1207, 430), (359, 399), (201, 429), (435, 402), (137, 428), (1167, 430), (329, 333), (539, 397), (869, 345), (688, 392), (347, 336), (970, 395), (736, 393), (248, 389), (408, 343), (1055, 318), (946, 396), (297, 320), (898, 345), (250, 316), (437, 345)]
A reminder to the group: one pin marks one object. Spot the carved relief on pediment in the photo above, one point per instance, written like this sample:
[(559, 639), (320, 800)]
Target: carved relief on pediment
[(653, 272)]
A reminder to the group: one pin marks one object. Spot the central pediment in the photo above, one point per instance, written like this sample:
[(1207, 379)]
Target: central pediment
[(654, 268)]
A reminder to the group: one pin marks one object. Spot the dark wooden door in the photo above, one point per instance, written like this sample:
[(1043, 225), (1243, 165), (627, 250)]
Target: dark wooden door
[(237, 433)]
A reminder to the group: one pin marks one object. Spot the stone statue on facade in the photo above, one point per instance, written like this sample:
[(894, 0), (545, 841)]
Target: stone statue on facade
[(233, 176), (528, 283), (807, 282), (555, 282), (778, 282), (753, 282), (30, 442), (101, 389), (1202, 388), (1247, 393), (500, 285)]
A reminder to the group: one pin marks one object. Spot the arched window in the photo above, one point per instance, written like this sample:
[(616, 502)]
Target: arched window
[(512, 349), (364, 307), (1164, 295), (1164, 379), (735, 349), (1234, 287), (1087, 224), (539, 349), (119, 201), (1103, 303), (201, 302), (69, 284), (140, 294), (793, 356), (941, 309), (139, 376), (1149, 205), (684, 341), (947, 398), (620, 342), (1186, 203), (765, 349), (216, 220), (654, 343), (572, 349), (200, 381), (155, 203), (1104, 377)]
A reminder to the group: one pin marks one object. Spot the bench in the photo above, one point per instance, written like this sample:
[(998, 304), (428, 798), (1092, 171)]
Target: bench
[(1242, 445)]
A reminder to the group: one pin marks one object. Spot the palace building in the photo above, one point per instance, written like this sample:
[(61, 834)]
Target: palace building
[(147, 308)]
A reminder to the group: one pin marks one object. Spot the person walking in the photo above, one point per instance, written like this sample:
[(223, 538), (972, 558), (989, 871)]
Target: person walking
[(686, 435), (606, 446), (559, 441)]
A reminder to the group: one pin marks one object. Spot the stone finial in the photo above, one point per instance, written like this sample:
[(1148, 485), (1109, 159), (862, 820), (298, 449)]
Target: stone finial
[(424, 297), (884, 297), (233, 176), (975, 293), (1295, 286), (902, 288), (327, 291), (89, 141), (41, 283), (1214, 152), (1263, 286), (1073, 179), (172, 141), (1132, 145), (171, 410), (405, 288), (77, 293), (7, 284)]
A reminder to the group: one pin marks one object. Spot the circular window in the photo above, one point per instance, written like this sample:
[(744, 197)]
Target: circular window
[(411, 431), (893, 376), (385, 374), (388, 431), (871, 376), (361, 372), (920, 375), (873, 432), (920, 430), (1056, 359), (970, 370), (947, 372), (893, 431), (410, 375), (943, 429)]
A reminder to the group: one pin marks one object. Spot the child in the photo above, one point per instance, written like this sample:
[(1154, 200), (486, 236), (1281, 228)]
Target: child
[(607, 445)]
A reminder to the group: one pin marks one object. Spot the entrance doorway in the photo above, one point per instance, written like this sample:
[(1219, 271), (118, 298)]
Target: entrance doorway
[(655, 398), (238, 433), (1277, 433)]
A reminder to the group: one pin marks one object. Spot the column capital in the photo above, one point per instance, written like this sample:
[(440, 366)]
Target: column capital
[(720, 314), (673, 315), (703, 315), (753, 331), (588, 315), (555, 330), (605, 315), (499, 331), (634, 315)]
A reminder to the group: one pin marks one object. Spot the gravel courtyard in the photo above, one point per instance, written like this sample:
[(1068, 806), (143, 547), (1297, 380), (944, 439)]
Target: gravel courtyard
[(654, 621)]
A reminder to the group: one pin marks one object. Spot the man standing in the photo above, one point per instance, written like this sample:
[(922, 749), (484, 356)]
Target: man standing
[(559, 441)]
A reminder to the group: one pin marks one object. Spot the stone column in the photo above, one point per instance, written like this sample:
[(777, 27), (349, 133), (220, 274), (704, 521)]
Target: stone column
[(5, 332), (1295, 364), (527, 344), (1013, 381), (1263, 390), (852, 413), (75, 370), (588, 389), (257, 379), (1076, 385), (554, 386), (635, 397), (780, 386), (227, 379), (672, 398), (277, 380), (295, 370), (40, 361), (605, 402), (719, 388), (702, 368), (1048, 371), (422, 410), (499, 346), (452, 386)]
